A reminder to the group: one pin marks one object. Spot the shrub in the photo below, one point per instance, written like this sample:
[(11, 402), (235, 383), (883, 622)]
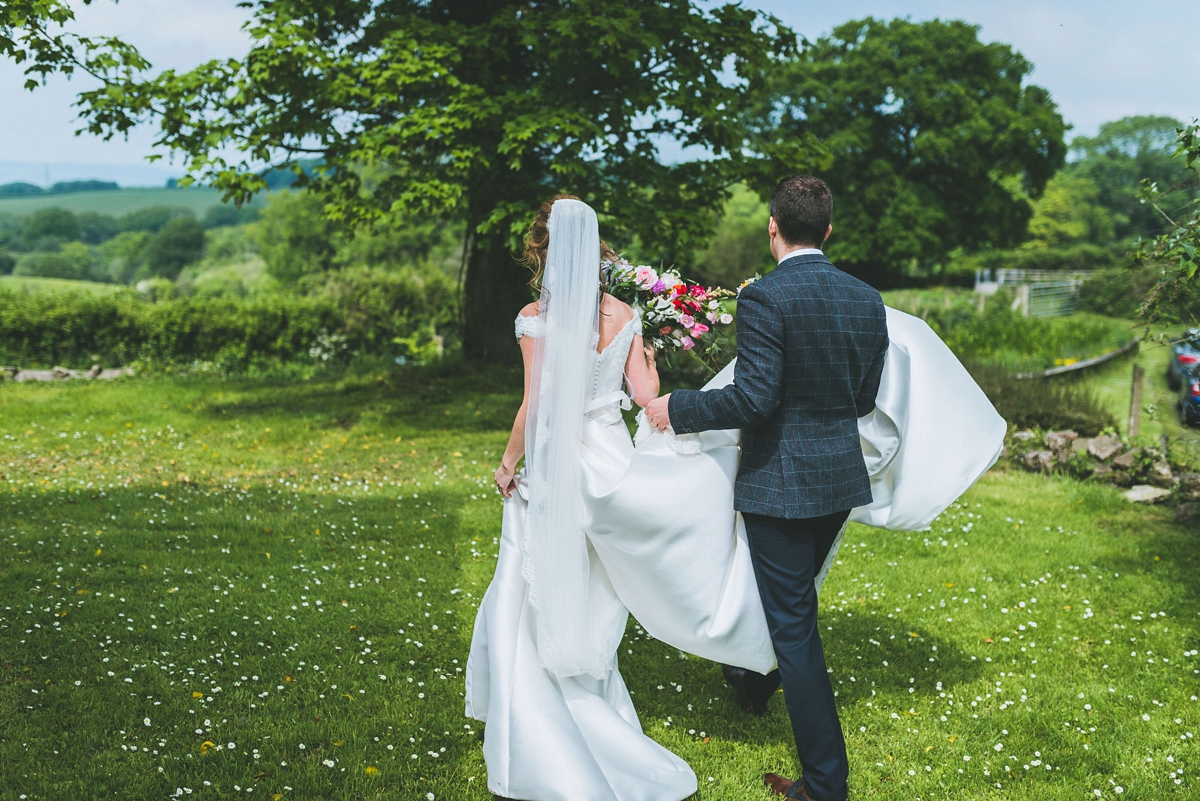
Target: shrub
[(381, 306), (10, 230), (20, 189), (1046, 403), (365, 312), (123, 255), (1062, 259), (1001, 336), (739, 247), (231, 244), (294, 236), (95, 228), (53, 225), (7, 263), (226, 214), (157, 289), (62, 187), (45, 265), (1120, 293), (72, 260), (178, 243), (219, 283), (152, 218)]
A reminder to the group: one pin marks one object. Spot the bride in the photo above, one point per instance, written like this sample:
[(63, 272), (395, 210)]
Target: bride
[(590, 531)]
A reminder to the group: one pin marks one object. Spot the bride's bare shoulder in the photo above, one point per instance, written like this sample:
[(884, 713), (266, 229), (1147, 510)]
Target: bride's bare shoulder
[(530, 310), (618, 310)]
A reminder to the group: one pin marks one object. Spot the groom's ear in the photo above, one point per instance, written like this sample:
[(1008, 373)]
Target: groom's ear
[(772, 228), (828, 231)]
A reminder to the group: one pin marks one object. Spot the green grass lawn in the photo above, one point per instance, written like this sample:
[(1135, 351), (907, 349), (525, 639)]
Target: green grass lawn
[(30, 284), (116, 201), (266, 590)]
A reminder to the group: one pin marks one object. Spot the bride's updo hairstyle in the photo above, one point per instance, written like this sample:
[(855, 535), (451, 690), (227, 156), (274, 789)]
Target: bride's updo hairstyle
[(537, 240)]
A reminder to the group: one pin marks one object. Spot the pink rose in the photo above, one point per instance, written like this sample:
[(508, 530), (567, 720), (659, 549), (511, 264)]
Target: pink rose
[(645, 276), (699, 329)]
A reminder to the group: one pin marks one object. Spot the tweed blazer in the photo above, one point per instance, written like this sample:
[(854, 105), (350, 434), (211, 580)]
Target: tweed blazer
[(811, 341)]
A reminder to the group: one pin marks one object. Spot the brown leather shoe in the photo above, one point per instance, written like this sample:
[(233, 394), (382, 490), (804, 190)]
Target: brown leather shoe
[(735, 677), (786, 787)]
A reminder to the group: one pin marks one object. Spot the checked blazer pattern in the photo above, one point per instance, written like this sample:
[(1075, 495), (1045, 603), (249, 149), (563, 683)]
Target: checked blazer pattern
[(811, 341)]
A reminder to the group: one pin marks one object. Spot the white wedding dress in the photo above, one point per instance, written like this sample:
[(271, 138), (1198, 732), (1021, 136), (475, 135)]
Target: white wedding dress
[(666, 544)]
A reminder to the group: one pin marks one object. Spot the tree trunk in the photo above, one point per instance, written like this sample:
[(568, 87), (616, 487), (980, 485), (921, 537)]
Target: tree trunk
[(496, 289)]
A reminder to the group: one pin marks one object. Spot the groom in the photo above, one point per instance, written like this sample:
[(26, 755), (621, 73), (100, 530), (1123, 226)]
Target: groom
[(810, 344)]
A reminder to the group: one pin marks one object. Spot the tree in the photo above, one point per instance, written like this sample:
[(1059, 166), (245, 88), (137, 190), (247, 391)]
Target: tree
[(739, 248), (33, 33), (151, 218), (929, 129), (478, 110), (20, 189), (224, 214), (1069, 213), (1123, 154), (295, 238), (46, 229), (176, 245), (96, 228), (1179, 246), (124, 255), (73, 260)]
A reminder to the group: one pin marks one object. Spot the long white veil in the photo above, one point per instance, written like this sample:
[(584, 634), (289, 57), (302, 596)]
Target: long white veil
[(556, 551)]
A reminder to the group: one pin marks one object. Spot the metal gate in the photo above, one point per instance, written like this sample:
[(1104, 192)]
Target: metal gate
[(1053, 298), (1039, 293)]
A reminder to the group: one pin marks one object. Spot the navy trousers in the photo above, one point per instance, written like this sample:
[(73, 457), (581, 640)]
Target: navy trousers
[(787, 555)]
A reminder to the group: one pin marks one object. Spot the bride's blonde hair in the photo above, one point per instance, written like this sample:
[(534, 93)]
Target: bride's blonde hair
[(537, 240)]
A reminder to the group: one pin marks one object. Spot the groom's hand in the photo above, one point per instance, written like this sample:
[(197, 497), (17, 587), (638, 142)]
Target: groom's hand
[(658, 412)]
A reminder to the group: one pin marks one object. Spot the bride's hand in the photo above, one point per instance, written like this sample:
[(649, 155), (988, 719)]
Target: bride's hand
[(505, 480)]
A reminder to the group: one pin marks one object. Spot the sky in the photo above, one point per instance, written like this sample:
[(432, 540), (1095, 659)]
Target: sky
[(1100, 59)]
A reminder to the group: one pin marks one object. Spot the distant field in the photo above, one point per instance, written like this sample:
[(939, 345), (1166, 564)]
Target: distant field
[(13, 282), (116, 202)]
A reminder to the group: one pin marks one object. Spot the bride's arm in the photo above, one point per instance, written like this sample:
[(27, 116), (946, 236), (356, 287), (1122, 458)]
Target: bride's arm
[(516, 440), (642, 372)]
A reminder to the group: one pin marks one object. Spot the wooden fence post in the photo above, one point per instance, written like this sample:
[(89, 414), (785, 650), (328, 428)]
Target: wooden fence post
[(1135, 401)]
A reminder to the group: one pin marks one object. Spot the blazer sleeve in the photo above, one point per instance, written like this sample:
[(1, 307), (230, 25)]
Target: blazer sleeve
[(756, 390), (865, 401)]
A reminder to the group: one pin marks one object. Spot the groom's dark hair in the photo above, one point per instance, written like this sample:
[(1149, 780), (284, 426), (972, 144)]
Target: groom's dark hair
[(803, 208)]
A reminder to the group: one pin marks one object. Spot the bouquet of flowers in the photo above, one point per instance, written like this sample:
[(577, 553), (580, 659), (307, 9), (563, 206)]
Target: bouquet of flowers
[(676, 315)]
